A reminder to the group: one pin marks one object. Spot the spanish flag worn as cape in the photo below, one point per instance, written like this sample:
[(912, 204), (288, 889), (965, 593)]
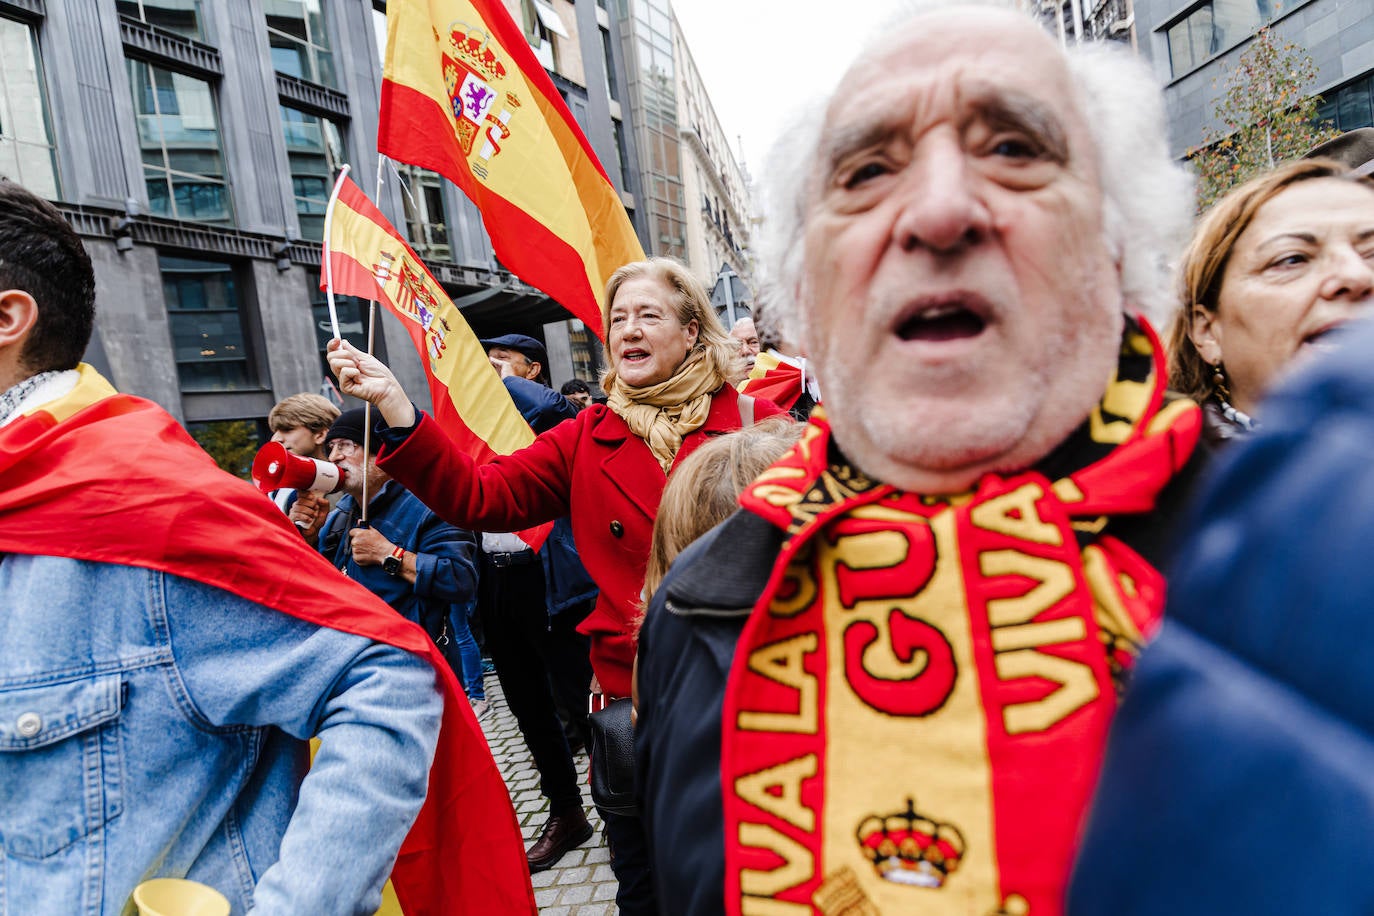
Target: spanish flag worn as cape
[(463, 94), (105, 477)]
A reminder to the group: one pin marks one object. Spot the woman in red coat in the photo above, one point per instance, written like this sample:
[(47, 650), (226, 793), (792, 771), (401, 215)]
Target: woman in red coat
[(669, 360)]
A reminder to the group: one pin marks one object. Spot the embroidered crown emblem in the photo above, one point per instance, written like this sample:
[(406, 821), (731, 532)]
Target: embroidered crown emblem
[(909, 848), (470, 46)]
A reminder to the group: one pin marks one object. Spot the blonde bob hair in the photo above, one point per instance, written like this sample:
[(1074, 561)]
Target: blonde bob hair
[(689, 300), (1204, 262), (705, 489)]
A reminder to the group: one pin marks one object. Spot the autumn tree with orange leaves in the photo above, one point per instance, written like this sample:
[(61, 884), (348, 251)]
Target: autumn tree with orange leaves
[(1265, 116)]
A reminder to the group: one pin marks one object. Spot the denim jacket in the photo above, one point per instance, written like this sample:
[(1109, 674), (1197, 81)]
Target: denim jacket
[(151, 726)]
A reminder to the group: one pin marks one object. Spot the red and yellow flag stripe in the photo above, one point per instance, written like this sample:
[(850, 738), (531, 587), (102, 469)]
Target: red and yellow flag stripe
[(371, 260)]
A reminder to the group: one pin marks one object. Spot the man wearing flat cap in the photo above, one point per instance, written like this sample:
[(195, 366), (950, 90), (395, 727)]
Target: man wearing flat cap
[(531, 604), (404, 553)]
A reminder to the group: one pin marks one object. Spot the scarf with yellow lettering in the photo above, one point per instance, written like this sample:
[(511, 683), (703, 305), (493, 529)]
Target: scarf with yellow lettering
[(917, 706)]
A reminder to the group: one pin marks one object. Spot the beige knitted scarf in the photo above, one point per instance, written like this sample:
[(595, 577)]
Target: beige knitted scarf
[(663, 414)]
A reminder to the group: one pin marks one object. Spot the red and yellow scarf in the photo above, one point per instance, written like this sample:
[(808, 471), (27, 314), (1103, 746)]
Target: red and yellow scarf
[(917, 706), (96, 475)]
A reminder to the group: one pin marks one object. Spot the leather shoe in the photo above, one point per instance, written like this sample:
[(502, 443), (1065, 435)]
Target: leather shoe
[(561, 833)]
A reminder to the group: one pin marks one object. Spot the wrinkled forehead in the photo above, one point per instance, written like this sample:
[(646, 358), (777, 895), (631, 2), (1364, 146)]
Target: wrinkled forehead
[(957, 64)]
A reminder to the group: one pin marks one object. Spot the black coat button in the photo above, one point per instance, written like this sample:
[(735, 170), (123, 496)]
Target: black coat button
[(617, 529)]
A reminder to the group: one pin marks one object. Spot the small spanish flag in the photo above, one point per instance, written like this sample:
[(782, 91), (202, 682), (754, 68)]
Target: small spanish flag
[(371, 260), (463, 95), (365, 256)]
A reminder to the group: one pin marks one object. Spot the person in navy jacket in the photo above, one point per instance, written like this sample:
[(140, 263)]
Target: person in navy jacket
[(1239, 776), (405, 554)]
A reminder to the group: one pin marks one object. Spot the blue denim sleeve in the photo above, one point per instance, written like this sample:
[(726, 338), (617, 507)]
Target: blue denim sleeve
[(375, 709)]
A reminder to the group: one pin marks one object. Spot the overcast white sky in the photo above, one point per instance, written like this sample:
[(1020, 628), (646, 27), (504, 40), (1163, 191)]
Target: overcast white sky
[(761, 59)]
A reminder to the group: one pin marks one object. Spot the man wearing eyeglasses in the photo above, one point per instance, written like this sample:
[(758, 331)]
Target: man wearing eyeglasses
[(403, 553)]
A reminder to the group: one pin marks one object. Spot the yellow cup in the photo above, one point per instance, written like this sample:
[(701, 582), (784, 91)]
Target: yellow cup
[(179, 897)]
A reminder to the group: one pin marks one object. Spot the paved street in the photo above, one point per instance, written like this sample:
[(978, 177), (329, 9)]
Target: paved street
[(581, 884)]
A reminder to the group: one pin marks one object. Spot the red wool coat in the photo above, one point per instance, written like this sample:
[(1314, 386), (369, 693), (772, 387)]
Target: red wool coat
[(591, 468)]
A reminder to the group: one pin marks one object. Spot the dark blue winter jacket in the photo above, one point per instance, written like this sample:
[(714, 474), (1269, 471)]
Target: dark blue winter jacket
[(1239, 776), (566, 582), (444, 555)]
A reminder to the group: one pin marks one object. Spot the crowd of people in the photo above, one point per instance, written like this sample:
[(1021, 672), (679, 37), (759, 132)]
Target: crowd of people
[(875, 567)]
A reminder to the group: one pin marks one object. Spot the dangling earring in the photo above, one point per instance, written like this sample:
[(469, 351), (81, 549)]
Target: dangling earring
[(1222, 393), (1219, 386)]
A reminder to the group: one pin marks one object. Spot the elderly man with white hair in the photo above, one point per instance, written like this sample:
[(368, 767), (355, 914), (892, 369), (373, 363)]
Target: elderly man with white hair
[(884, 684), (743, 331)]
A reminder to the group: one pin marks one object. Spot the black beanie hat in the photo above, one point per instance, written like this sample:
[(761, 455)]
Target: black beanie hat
[(350, 426)]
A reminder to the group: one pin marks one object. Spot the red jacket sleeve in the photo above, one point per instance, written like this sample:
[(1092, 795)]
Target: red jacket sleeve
[(509, 493)]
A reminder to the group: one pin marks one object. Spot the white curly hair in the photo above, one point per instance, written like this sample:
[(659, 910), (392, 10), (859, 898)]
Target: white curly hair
[(1147, 196)]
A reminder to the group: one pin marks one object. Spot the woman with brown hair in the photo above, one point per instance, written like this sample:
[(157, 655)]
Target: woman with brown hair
[(1273, 268), (669, 360)]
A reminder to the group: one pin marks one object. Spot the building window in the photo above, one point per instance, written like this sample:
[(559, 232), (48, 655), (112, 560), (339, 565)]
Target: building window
[(379, 31), (586, 351), (620, 154), (206, 315), (300, 43), (27, 155), (426, 222), (179, 16), (1349, 107), (352, 322), (314, 148), (1213, 27), (612, 86), (178, 131)]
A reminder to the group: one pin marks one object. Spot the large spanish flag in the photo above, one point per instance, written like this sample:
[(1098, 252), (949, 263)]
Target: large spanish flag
[(463, 95), (366, 257)]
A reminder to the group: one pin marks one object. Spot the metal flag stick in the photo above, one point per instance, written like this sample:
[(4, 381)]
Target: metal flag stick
[(371, 330), (329, 252)]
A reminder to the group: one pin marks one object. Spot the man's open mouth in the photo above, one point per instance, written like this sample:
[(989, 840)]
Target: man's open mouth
[(946, 321)]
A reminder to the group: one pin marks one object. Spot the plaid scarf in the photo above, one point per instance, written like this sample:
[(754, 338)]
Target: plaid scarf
[(14, 396), (918, 703)]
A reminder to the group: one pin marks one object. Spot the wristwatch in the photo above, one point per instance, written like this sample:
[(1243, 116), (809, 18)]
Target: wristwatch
[(392, 564)]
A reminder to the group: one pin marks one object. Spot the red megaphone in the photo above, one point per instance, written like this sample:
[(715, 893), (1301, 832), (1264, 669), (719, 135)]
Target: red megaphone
[(274, 467)]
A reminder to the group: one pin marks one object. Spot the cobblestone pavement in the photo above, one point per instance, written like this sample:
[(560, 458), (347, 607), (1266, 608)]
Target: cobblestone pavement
[(581, 884)]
